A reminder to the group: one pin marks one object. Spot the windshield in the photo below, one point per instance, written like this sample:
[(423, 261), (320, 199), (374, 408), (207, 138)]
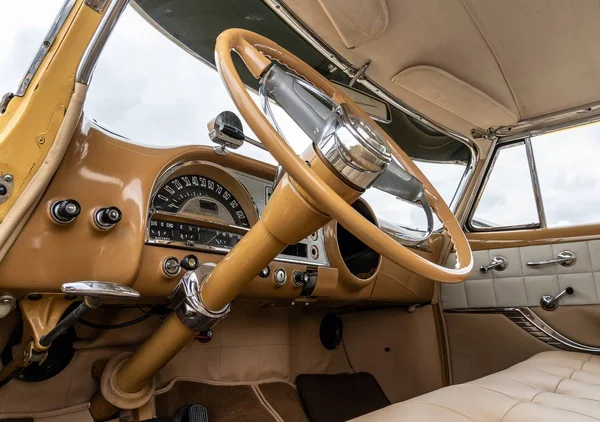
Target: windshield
[(155, 90)]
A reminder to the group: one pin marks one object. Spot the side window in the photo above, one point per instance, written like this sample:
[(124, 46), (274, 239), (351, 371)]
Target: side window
[(508, 198), (569, 175), (568, 179)]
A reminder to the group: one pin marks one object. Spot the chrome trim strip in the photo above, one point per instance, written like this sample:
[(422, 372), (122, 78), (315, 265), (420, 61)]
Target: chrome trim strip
[(214, 249), (481, 177), (89, 59), (535, 182), (60, 19), (288, 16), (536, 125), (528, 320)]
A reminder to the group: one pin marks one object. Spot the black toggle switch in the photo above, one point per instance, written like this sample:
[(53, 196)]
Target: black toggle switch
[(105, 218), (65, 210), (189, 262)]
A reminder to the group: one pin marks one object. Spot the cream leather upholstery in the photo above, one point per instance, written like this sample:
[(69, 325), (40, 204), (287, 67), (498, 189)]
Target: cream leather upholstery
[(522, 285), (550, 386)]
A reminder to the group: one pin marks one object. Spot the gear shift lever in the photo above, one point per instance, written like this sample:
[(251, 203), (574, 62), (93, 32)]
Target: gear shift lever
[(94, 293)]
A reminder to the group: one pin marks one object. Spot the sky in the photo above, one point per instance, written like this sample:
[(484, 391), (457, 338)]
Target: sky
[(149, 90)]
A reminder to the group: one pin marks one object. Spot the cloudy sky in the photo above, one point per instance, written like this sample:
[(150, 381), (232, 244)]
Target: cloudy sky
[(152, 92)]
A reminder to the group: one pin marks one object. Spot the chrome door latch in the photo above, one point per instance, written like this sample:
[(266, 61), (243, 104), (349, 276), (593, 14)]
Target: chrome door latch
[(498, 263), (564, 258), (550, 303)]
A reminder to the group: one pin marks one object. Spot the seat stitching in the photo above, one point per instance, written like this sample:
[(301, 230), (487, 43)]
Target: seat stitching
[(445, 408), (511, 408), (539, 392), (520, 382), (494, 391)]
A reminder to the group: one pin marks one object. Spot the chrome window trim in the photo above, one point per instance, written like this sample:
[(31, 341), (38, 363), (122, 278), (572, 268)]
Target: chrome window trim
[(488, 171), (535, 182), (530, 322), (49, 39), (550, 122), (88, 62)]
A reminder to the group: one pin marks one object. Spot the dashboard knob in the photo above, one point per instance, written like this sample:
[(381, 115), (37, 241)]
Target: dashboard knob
[(280, 276), (301, 278), (65, 210), (264, 273), (189, 262), (105, 218)]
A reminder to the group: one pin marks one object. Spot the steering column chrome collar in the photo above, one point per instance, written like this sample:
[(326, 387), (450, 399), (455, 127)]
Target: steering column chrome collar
[(187, 301)]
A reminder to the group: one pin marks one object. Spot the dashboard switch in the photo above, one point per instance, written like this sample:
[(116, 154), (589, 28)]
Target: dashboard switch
[(105, 218), (301, 278), (65, 210), (280, 276), (189, 262), (264, 273), (171, 267)]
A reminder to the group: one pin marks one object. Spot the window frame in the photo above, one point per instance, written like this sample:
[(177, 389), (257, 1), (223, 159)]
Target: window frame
[(541, 224)]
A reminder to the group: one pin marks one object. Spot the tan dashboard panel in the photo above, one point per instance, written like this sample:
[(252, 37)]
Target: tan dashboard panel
[(98, 170)]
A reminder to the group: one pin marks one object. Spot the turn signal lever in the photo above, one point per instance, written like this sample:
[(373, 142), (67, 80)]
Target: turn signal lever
[(94, 293)]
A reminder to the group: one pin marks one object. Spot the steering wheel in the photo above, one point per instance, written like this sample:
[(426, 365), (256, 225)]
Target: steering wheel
[(319, 114)]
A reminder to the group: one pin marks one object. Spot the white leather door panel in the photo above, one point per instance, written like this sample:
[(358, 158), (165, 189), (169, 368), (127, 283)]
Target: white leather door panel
[(523, 285)]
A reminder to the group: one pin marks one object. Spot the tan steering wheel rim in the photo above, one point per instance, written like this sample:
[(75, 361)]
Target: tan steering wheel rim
[(255, 50)]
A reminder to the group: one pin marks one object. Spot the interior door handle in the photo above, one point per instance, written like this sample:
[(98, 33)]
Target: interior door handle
[(564, 258)]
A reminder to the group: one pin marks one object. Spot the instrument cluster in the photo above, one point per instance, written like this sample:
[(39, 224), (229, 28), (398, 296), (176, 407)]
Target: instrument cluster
[(199, 205)]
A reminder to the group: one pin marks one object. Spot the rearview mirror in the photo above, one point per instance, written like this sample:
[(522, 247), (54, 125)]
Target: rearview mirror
[(377, 109)]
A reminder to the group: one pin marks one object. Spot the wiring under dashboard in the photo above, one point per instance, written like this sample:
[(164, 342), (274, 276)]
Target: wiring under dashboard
[(154, 312)]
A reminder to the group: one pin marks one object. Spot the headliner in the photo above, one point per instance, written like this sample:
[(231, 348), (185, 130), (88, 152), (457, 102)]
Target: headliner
[(469, 63)]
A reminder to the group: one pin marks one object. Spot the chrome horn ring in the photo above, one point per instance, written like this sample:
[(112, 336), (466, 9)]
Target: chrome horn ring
[(353, 149)]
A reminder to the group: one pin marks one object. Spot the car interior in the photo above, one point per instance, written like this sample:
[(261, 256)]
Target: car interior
[(430, 253)]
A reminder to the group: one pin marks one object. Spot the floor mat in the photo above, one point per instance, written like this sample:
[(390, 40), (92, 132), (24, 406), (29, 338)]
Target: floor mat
[(223, 403), (333, 398), (284, 399)]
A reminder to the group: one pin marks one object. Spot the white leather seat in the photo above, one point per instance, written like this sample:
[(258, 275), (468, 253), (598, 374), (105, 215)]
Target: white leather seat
[(550, 386)]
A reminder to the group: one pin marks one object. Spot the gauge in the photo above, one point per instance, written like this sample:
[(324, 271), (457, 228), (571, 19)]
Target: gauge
[(202, 196)]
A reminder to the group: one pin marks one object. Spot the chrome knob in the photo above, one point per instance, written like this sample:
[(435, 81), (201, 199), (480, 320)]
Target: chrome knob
[(64, 211), (105, 218), (550, 303), (498, 263)]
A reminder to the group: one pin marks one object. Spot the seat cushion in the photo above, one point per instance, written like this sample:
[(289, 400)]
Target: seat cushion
[(550, 386)]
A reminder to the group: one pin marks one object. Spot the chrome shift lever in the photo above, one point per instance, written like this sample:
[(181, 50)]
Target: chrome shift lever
[(94, 293)]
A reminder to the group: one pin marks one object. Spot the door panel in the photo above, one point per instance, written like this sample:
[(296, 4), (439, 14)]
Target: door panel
[(523, 285), (492, 319)]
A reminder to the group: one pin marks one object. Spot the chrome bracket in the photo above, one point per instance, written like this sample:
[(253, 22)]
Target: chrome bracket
[(360, 72), (6, 187), (5, 100), (187, 301), (97, 5)]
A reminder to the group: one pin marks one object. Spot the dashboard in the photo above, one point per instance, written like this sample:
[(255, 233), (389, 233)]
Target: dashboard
[(176, 202)]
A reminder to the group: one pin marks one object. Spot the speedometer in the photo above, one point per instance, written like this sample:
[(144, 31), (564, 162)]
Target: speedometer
[(193, 194), (200, 205)]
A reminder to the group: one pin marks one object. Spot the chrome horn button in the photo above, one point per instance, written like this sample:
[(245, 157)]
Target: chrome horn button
[(356, 150)]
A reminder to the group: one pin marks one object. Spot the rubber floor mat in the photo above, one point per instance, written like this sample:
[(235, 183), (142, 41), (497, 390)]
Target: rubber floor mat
[(223, 403), (338, 398)]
